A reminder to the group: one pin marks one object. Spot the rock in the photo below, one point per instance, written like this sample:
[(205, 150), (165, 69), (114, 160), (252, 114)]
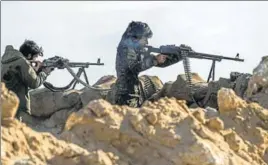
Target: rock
[(9, 103), (180, 90), (200, 115), (259, 78), (91, 94), (225, 83), (261, 98), (152, 118), (99, 107), (234, 141), (44, 102), (241, 84), (228, 101), (162, 92), (211, 112), (216, 124), (105, 82)]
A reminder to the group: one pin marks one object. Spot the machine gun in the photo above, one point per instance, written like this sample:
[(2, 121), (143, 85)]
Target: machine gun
[(63, 63), (184, 52), (60, 63)]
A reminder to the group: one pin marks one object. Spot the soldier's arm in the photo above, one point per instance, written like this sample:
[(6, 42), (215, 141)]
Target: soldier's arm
[(138, 63), (169, 61), (29, 76)]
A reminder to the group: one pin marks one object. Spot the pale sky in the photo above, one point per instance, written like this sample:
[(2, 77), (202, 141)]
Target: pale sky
[(84, 31)]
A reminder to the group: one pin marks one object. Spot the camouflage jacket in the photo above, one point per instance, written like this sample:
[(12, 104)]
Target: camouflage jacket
[(18, 75), (130, 61)]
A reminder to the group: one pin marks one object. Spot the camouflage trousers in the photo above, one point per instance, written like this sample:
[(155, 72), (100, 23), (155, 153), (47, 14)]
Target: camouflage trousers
[(126, 99)]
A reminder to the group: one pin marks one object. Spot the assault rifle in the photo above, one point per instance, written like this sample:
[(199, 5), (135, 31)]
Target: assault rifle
[(60, 62), (63, 63), (184, 52)]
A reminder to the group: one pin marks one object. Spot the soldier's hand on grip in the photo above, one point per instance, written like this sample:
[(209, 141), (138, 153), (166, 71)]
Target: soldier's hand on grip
[(36, 65), (48, 70), (161, 58)]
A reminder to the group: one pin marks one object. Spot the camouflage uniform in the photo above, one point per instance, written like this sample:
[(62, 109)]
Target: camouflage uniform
[(128, 65), (18, 75), (131, 59)]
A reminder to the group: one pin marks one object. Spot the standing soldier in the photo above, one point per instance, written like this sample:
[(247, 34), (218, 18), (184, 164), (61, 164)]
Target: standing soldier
[(19, 75), (131, 59)]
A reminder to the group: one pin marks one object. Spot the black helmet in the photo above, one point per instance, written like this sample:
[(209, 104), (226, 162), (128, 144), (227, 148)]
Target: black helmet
[(30, 47), (138, 29)]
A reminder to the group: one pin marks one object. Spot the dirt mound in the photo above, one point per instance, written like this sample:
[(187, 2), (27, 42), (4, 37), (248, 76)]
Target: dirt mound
[(246, 126), (164, 132), (9, 103), (167, 132), (21, 145)]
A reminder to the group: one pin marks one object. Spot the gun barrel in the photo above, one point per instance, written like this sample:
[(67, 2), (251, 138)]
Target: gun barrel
[(83, 64), (212, 57)]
